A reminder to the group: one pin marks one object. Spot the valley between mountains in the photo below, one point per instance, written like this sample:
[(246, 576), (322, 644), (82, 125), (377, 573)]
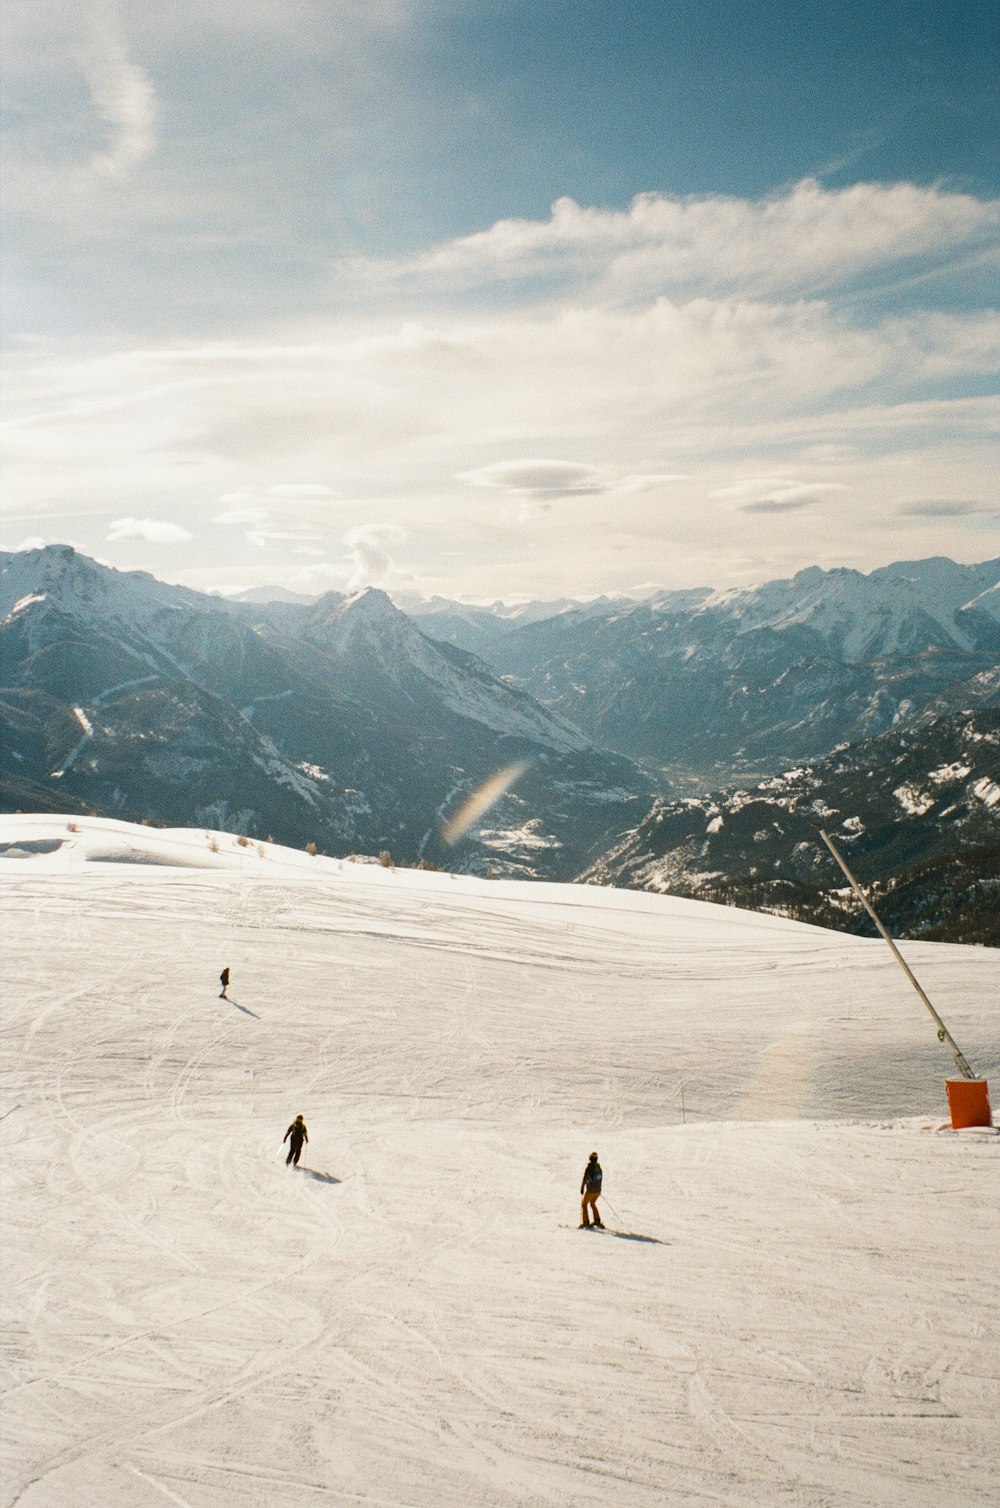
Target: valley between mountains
[(688, 743)]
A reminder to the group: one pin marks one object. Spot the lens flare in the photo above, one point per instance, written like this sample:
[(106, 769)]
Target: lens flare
[(779, 1087), (479, 803)]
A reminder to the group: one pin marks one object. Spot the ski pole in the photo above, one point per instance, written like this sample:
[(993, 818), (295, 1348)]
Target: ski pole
[(610, 1206), (944, 1035)]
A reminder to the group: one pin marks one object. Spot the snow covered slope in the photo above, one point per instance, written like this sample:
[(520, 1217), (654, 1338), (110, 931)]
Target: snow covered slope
[(798, 1301)]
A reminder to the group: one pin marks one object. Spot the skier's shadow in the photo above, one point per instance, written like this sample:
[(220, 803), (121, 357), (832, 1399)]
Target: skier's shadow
[(319, 1177), (244, 1008), (631, 1235)]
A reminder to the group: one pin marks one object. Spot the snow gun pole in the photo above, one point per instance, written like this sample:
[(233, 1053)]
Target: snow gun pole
[(944, 1035)]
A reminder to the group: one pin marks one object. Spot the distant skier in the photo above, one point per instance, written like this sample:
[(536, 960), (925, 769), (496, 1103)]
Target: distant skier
[(295, 1136), (224, 981), (590, 1188)]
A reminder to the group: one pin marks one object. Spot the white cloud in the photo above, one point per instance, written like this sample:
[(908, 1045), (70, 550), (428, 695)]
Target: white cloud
[(247, 513), (321, 570), (370, 563), (121, 90), (171, 101), (544, 480), (809, 236), (262, 538), (631, 410), (943, 507), (155, 530), (774, 505), (293, 490), (774, 495), (653, 481), (539, 478)]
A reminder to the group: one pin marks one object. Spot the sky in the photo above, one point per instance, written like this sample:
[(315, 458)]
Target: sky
[(488, 298)]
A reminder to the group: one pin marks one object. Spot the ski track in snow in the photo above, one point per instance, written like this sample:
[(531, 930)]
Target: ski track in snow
[(807, 1312)]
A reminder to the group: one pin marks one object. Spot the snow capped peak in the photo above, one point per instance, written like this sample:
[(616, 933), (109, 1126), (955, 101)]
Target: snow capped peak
[(371, 605), (74, 584), (56, 575), (680, 599), (510, 615), (269, 594), (373, 602), (898, 608), (381, 644), (369, 617)]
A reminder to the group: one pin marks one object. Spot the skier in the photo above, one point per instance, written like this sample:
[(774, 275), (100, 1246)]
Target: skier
[(590, 1188), (295, 1136), (224, 981)]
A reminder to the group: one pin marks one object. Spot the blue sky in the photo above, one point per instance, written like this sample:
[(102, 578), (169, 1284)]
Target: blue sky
[(707, 98), (501, 298)]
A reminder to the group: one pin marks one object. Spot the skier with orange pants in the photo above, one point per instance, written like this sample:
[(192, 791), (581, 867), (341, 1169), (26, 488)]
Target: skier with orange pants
[(590, 1189)]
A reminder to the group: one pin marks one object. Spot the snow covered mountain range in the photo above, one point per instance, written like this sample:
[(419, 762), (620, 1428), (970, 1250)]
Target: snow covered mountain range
[(713, 686), (632, 743), (335, 722)]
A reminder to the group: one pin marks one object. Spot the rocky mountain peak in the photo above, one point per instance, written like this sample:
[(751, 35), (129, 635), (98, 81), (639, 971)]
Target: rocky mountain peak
[(373, 603), (83, 588), (343, 624), (906, 607), (39, 574)]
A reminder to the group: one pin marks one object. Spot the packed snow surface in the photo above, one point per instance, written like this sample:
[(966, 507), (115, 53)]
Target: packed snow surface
[(797, 1301)]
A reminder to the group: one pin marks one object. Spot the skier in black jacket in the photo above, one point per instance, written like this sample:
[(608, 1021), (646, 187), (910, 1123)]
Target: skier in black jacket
[(590, 1188), (224, 981), (295, 1136)]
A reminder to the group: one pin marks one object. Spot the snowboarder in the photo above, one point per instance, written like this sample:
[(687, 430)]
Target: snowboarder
[(295, 1136), (224, 981), (590, 1188)]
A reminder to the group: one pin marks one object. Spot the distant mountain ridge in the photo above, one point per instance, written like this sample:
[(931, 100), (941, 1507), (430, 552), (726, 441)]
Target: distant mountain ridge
[(335, 722), (714, 686), (345, 722), (476, 627)]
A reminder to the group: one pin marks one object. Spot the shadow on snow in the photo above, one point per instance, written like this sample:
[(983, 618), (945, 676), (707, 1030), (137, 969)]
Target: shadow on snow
[(631, 1235), (244, 1008)]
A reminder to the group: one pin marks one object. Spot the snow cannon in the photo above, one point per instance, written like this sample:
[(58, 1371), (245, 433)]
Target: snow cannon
[(969, 1103), (969, 1096)]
